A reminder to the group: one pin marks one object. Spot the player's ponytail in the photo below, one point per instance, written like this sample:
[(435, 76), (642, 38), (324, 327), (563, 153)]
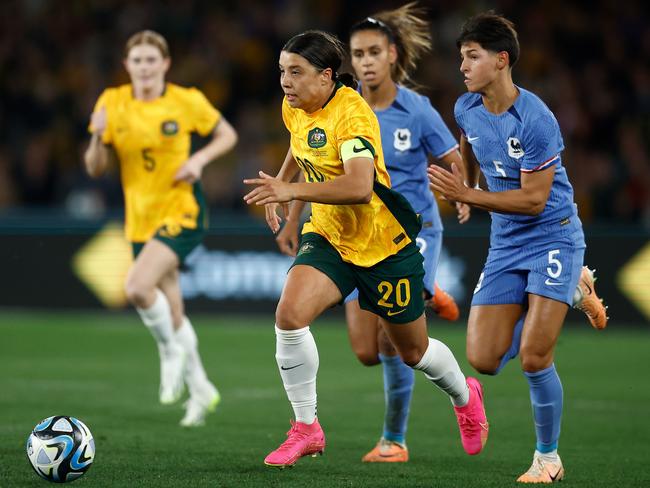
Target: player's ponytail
[(323, 50), (347, 79), (406, 28)]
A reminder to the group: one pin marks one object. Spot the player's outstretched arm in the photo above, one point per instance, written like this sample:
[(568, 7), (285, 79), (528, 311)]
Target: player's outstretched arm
[(463, 210), (275, 189), (287, 239), (530, 199), (98, 155), (224, 138)]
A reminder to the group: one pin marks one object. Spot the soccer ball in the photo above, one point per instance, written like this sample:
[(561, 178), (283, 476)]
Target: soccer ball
[(61, 448)]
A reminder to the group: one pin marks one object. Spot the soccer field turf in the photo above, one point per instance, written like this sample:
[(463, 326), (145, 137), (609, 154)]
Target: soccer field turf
[(103, 369)]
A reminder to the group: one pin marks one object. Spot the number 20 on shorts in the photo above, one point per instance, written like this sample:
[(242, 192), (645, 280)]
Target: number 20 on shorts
[(399, 294)]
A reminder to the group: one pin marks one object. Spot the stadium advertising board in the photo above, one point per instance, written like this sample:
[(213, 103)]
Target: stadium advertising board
[(240, 270)]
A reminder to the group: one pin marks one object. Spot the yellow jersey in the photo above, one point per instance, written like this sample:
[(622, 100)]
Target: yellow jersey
[(152, 140), (363, 234)]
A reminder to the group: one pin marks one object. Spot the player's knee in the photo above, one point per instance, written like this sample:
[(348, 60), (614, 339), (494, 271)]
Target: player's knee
[(367, 357), (136, 294), (412, 356), (483, 364), (288, 317), (533, 361)]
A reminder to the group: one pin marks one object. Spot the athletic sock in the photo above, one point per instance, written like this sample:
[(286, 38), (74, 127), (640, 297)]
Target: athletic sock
[(195, 375), (158, 319), (546, 399), (440, 366), (514, 346), (398, 389), (297, 358)]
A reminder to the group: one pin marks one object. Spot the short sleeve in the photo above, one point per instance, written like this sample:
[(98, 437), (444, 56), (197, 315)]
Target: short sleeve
[(204, 116), (436, 136), (103, 101), (541, 144), (356, 123), (458, 115)]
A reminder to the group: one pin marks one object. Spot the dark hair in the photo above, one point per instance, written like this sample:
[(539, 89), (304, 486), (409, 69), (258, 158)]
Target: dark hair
[(405, 28), (323, 50), (493, 32)]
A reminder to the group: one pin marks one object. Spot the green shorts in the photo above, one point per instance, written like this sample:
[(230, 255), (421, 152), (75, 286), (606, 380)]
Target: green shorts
[(182, 243), (392, 288)]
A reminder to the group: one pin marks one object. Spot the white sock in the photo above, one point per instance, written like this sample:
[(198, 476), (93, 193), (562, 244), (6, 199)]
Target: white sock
[(548, 456), (297, 358), (158, 319), (195, 375), (577, 297), (440, 366)]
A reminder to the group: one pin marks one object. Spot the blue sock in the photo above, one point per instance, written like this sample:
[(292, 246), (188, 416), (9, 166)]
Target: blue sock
[(546, 398), (514, 346), (398, 388)]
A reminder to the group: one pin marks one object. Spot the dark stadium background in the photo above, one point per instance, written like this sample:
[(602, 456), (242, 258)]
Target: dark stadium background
[(590, 61)]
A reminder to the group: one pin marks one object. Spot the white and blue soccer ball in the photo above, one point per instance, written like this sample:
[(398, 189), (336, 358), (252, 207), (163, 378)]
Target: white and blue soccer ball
[(61, 448)]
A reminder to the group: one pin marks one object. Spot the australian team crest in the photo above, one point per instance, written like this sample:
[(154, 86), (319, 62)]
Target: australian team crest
[(316, 138), (514, 148), (169, 127), (402, 140)]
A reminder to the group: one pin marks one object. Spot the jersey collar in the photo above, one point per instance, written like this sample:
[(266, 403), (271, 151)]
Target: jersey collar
[(399, 102), (337, 85)]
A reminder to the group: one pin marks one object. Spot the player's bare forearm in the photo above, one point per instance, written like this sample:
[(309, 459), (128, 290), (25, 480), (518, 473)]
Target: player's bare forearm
[(223, 140), (289, 168), (352, 187), (96, 157), (297, 206), (470, 166), (530, 199), (511, 201)]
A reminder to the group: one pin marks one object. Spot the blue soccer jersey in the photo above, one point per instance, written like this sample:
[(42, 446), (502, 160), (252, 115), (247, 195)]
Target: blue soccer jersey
[(524, 139), (411, 129)]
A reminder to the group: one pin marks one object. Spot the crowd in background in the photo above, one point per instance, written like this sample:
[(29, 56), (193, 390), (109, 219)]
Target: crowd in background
[(589, 61)]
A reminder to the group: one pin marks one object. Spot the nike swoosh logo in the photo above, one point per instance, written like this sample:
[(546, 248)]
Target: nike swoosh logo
[(358, 149), (588, 287), (552, 283), (390, 314), (472, 139), (553, 478), (290, 367)]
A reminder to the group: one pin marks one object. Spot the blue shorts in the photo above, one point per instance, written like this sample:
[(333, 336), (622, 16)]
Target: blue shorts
[(549, 267), (430, 243)]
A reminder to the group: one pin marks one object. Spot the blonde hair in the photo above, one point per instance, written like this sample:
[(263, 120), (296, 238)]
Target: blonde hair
[(147, 37), (407, 30)]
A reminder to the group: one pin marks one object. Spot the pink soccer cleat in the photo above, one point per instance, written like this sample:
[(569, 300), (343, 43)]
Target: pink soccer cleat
[(302, 440), (472, 421)]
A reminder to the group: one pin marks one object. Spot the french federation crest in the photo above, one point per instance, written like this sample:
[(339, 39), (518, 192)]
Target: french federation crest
[(316, 138), (402, 140), (514, 148), (169, 127)]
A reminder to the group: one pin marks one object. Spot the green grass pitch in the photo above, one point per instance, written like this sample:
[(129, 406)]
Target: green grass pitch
[(103, 368)]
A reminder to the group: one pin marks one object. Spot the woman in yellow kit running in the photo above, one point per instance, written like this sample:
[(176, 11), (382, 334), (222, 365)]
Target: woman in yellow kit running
[(146, 126), (361, 235)]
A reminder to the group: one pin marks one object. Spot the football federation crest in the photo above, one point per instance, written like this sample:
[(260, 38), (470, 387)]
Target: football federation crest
[(316, 138), (514, 148), (402, 140), (305, 248), (169, 127)]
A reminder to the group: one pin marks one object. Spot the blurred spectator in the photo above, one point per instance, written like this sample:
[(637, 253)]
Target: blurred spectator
[(56, 56)]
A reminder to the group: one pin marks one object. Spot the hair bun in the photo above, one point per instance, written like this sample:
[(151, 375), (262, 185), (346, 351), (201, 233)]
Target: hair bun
[(347, 79)]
